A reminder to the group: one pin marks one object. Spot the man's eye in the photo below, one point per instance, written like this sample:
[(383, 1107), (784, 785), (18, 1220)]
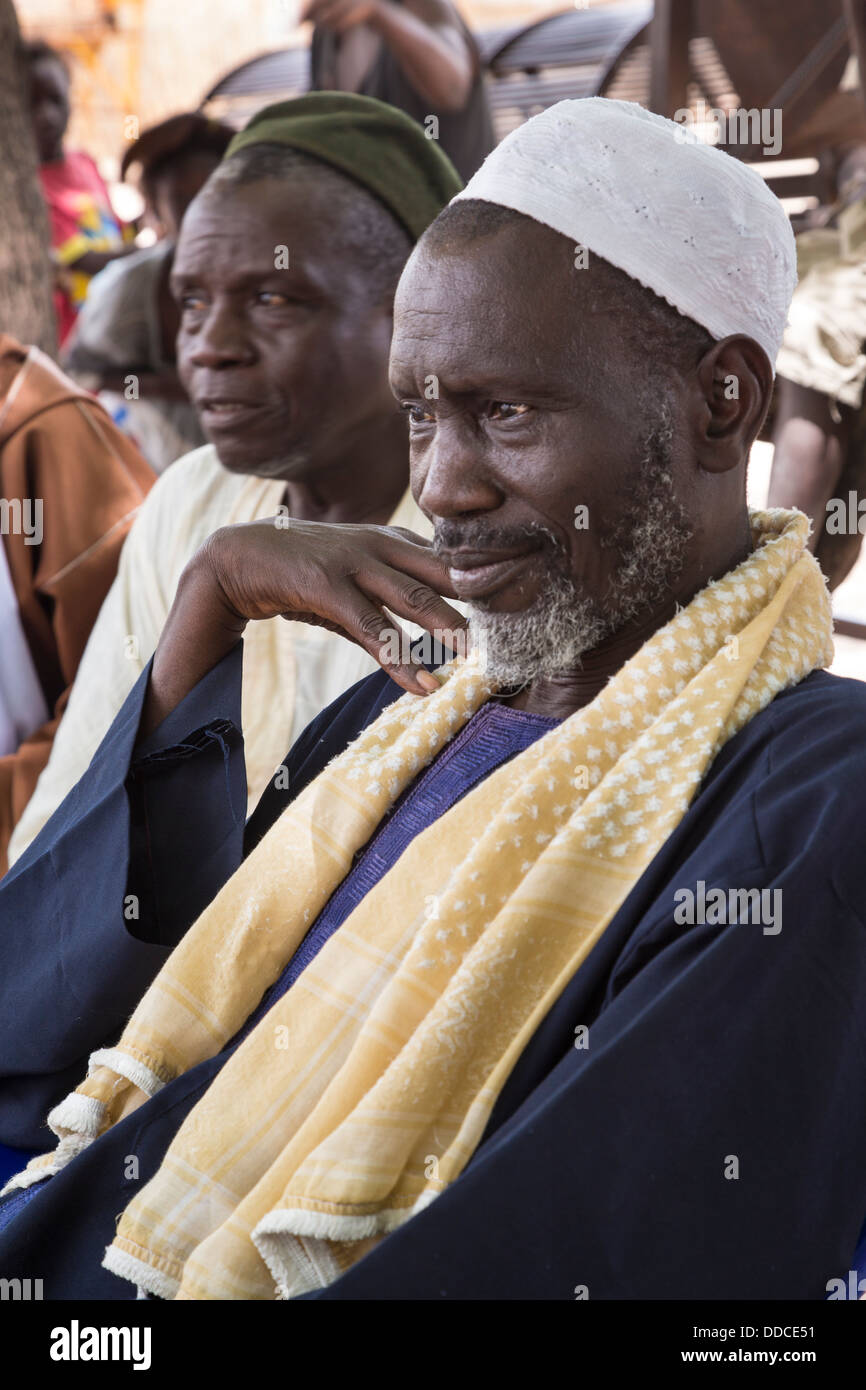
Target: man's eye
[(417, 415), (507, 410), (271, 299), (191, 303)]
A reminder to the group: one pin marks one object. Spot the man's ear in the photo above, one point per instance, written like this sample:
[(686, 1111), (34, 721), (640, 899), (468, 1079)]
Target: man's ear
[(733, 385)]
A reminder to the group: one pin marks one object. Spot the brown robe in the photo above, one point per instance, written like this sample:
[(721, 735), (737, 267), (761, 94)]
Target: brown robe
[(58, 445)]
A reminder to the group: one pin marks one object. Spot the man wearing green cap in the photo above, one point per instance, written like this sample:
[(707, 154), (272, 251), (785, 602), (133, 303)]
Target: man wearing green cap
[(285, 271)]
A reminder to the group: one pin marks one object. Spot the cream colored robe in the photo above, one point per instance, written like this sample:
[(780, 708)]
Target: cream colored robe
[(291, 671)]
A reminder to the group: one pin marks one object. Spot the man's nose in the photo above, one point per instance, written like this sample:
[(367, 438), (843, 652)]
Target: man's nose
[(222, 339), (455, 476)]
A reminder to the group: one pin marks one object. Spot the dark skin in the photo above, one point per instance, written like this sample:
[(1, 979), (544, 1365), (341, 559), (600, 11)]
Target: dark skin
[(288, 367), (173, 187), (282, 342), (524, 431), (536, 414), (423, 35), (809, 454), (811, 438), (49, 107), (49, 113)]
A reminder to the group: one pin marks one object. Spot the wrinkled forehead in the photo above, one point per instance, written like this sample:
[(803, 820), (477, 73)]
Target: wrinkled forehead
[(229, 225), (511, 303)]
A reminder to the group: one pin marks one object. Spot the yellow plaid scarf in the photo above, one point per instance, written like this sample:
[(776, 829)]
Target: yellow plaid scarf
[(366, 1088)]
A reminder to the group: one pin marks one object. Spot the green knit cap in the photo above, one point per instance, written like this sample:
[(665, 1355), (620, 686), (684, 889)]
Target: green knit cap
[(381, 148)]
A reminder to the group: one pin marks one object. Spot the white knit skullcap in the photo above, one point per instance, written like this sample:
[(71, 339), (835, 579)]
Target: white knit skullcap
[(685, 219)]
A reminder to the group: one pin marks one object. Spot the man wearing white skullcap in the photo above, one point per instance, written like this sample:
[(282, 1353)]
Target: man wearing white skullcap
[(566, 945), (704, 232)]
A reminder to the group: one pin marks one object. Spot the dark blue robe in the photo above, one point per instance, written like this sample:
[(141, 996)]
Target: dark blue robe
[(710, 1142)]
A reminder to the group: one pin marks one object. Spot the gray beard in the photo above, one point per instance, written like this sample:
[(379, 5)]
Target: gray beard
[(546, 639), (551, 636)]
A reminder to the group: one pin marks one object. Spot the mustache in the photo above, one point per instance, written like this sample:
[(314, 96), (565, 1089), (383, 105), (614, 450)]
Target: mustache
[(482, 535)]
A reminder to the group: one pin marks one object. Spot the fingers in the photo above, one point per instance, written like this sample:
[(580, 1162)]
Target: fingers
[(417, 602), (342, 577), (386, 642), (414, 555)]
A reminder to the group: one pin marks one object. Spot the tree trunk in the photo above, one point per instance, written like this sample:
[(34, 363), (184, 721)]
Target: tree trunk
[(26, 279)]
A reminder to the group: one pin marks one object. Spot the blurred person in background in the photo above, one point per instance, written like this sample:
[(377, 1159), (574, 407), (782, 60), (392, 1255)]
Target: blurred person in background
[(70, 485), (417, 55), (85, 233), (820, 426), (175, 159), (123, 344)]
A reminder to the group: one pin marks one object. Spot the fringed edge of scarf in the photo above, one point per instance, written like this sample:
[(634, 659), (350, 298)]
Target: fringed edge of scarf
[(295, 1245), (78, 1120), (70, 1146), (127, 1066), (144, 1276)]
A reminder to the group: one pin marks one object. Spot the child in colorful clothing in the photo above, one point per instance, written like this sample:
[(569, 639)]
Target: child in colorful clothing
[(85, 234)]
